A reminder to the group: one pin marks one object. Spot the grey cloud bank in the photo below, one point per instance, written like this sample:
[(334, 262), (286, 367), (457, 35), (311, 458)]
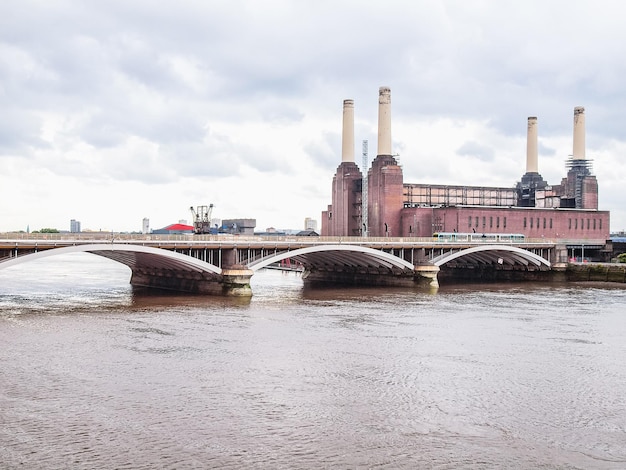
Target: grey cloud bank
[(115, 111)]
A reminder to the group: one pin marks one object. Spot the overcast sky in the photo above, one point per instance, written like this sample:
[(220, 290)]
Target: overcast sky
[(112, 111)]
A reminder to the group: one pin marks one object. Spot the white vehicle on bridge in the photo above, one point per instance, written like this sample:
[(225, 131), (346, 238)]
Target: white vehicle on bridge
[(479, 237)]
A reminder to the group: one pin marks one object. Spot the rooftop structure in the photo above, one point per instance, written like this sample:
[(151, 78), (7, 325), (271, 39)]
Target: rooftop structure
[(174, 229)]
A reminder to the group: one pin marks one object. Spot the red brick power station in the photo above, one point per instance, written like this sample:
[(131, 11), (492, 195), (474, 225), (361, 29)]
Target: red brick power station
[(532, 207)]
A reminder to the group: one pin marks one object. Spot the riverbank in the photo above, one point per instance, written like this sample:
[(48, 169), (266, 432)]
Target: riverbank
[(610, 273), (596, 272)]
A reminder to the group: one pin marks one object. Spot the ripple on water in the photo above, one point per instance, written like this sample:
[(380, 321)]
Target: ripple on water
[(101, 376)]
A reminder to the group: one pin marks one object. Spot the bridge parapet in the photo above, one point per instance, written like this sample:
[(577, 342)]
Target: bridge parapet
[(91, 237)]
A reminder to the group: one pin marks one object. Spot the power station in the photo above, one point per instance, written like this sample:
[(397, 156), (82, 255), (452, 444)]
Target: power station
[(388, 207)]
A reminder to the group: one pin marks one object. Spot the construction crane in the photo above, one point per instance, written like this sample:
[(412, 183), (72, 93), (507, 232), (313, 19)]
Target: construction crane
[(202, 219)]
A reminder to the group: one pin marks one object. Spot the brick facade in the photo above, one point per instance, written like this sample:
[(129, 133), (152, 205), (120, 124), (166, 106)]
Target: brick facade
[(531, 222), (343, 217), (385, 199)]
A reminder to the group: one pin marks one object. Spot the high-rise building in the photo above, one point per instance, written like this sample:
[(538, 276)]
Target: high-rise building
[(310, 224), (145, 226), (74, 226)]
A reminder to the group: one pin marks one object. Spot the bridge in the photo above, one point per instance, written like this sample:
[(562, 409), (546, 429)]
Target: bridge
[(224, 265)]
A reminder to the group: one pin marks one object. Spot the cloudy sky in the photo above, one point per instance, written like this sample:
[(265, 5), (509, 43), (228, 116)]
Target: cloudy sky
[(112, 111)]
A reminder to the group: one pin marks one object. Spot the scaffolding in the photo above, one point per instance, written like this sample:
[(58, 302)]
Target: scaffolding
[(580, 168), (364, 197)]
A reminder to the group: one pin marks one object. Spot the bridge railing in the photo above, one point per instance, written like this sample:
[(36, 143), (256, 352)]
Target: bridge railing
[(109, 237)]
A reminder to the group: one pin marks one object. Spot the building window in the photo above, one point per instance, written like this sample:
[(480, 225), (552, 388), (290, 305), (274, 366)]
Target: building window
[(476, 222), (544, 222), (531, 222), (490, 222), (587, 224), (550, 222), (498, 222), (600, 224), (570, 224), (469, 221), (537, 222), (575, 224), (484, 221), (504, 222), (524, 222), (594, 224)]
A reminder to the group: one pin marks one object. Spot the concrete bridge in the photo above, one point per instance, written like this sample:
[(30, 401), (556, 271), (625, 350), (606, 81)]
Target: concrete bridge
[(224, 264)]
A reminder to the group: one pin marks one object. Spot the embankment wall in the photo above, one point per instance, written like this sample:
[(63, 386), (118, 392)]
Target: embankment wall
[(600, 272)]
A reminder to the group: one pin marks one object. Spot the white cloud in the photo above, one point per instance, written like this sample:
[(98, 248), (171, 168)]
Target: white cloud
[(114, 111)]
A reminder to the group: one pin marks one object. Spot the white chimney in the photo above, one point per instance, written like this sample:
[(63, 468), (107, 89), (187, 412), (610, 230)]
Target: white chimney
[(531, 147), (579, 133), (347, 137), (384, 121)]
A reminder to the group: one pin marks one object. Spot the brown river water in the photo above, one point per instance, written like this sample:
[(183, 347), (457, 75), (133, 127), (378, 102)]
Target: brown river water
[(94, 374)]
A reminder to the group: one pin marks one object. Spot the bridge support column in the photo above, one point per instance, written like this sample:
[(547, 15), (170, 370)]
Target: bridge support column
[(193, 283), (427, 274), (559, 254), (236, 281)]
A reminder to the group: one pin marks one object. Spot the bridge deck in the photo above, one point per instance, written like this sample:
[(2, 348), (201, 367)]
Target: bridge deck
[(172, 260)]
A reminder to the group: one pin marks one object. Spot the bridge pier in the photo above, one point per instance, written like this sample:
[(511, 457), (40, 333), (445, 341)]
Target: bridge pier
[(427, 274), (236, 281), (374, 278), (193, 283), (235, 278), (233, 282), (424, 275)]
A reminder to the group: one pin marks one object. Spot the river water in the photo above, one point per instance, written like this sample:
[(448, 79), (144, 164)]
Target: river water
[(96, 375)]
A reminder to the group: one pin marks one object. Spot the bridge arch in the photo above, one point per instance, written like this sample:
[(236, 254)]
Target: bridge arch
[(327, 255), (136, 257), (494, 254)]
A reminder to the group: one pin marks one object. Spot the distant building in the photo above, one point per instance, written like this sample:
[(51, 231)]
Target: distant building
[(619, 244), (145, 226), (307, 233), (174, 229), (271, 232), (310, 224), (74, 226), (238, 226)]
